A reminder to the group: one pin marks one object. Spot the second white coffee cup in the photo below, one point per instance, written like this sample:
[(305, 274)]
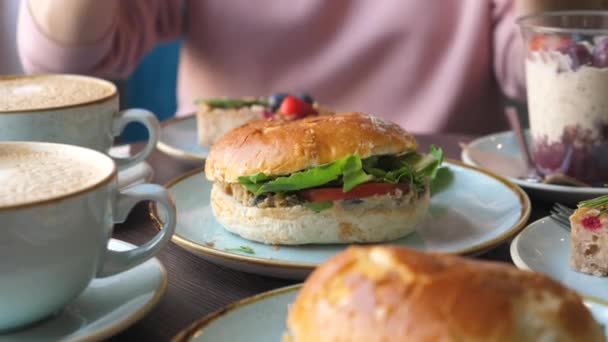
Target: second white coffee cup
[(58, 206)]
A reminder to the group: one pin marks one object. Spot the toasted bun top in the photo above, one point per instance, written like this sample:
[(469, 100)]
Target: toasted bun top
[(395, 294), (284, 147)]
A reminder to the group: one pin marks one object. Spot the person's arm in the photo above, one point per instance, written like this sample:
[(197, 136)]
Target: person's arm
[(98, 37), (73, 22)]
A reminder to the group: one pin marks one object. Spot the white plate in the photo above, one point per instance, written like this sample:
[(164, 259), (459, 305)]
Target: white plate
[(262, 318), (106, 307), (178, 138), (500, 154), (544, 246), (476, 212), (134, 175)]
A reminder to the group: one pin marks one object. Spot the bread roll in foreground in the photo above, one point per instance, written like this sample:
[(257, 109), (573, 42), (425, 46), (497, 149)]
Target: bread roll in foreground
[(348, 177), (378, 294)]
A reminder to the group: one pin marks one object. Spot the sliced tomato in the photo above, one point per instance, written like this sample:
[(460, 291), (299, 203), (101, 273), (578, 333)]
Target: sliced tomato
[(360, 191)]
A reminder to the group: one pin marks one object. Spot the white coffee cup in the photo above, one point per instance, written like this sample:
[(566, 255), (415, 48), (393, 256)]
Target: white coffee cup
[(69, 109), (58, 205)]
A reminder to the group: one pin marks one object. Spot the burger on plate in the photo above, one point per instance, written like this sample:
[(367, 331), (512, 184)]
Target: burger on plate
[(374, 294), (342, 178)]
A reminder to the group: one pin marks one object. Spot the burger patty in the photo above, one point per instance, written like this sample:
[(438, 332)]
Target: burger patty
[(279, 200), (240, 193)]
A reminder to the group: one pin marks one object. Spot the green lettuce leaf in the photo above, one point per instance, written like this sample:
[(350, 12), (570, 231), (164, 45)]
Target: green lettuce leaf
[(430, 163), (257, 178), (306, 179), (404, 172), (319, 206), (230, 103), (351, 171), (370, 166), (413, 168), (443, 179), (254, 183), (353, 174), (253, 188)]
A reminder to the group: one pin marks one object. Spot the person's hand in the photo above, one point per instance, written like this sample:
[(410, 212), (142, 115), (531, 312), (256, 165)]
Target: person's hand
[(525, 7), (73, 22)]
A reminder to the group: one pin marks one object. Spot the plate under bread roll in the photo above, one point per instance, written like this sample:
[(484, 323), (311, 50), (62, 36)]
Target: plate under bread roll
[(375, 294), (461, 315)]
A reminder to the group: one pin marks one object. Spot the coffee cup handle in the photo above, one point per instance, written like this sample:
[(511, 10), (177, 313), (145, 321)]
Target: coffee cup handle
[(147, 119), (118, 261)]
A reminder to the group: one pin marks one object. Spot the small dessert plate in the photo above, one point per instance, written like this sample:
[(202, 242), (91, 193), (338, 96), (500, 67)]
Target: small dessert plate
[(263, 318), (258, 318), (475, 212), (106, 307), (178, 138), (500, 153), (544, 246)]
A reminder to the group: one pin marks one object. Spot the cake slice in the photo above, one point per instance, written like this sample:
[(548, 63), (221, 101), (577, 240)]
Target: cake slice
[(589, 237), (215, 117)]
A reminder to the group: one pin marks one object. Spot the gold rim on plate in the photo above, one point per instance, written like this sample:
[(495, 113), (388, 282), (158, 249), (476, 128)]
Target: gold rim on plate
[(197, 328), (200, 249), (172, 150)]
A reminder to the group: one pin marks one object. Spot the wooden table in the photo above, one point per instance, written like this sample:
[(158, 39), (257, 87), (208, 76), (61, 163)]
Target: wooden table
[(198, 287)]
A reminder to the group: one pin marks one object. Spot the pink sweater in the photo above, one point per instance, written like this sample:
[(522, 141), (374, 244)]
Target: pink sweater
[(429, 65)]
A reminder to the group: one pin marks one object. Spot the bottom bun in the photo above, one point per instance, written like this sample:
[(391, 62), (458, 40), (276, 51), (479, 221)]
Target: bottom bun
[(376, 220), (374, 294)]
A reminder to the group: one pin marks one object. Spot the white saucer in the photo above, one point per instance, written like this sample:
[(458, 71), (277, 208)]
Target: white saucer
[(263, 317), (544, 247), (134, 175), (475, 212), (178, 139), (500, 154), (107, 306), (139, 173)]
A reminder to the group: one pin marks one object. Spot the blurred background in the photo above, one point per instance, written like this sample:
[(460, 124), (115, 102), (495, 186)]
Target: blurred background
[(9, 62), (152, 86)]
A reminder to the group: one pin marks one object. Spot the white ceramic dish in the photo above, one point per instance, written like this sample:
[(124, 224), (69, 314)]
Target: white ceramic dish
[(139, 173), (544, 246), (499, 153), (178, 139), (262, 318)]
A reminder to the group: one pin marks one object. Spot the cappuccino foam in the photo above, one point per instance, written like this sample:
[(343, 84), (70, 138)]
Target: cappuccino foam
[(33, 172), (50, 91)]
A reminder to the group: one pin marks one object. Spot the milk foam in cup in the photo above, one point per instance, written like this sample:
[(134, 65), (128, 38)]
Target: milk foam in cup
[(58, 205)]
